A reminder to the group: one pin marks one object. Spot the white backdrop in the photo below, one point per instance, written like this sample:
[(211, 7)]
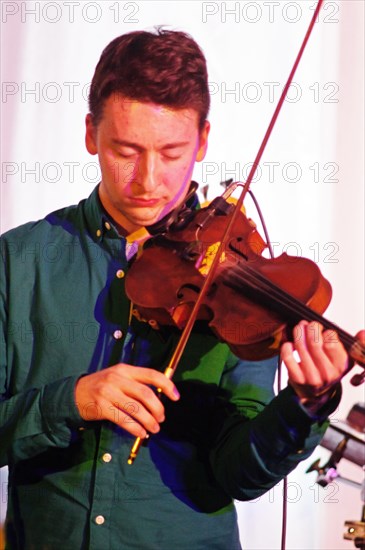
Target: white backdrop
[(310, 182)]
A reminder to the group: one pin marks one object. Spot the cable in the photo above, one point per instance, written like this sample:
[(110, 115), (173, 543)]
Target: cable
[(285, 480)]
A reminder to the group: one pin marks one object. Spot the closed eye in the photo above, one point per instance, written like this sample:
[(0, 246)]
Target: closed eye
[(127, 155), (171, 156)]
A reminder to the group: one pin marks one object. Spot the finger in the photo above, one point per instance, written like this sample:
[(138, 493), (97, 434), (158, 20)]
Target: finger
[(126, 418), (336, 354), (130, 414), (154, 378), (146, 397), (358, 350), (138, 404), (313, 361), (327, 353), (294, 370), (135, 418)]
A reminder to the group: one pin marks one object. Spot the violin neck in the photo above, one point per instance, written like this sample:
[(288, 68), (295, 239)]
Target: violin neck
[(353, 347)]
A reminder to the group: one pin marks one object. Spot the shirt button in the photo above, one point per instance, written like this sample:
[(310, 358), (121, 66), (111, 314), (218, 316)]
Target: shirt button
[(99, 520), (107, 225), (118, 334), (120, 273), (98, 233), (107, 457)]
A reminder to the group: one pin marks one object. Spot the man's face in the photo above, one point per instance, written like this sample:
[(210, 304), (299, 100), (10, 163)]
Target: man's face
[(147, 154)]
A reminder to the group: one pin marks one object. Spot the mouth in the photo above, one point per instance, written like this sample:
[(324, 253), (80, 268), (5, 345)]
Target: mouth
[(138, 201)]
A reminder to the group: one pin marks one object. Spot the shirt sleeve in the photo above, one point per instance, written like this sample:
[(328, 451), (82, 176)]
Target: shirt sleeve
[(40, 417), (261, 437)]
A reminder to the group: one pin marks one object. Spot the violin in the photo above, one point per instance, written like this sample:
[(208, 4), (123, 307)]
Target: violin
[(252, 303)]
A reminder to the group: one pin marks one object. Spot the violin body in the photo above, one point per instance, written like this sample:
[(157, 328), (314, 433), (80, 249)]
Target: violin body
[(246, 305)]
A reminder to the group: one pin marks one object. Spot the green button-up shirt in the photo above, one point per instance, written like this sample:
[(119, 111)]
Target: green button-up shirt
[(65, 313)]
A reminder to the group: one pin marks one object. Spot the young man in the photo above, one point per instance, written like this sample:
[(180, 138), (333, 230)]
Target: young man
[(80, 370)]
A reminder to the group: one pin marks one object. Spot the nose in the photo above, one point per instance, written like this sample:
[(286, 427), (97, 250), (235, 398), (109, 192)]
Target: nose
[(147, 177)]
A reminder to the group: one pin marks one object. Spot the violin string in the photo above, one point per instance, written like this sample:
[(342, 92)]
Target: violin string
[(292, 304), (255, 280)]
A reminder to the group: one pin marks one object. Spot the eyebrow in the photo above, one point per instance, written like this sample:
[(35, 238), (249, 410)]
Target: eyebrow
[(172, 145)]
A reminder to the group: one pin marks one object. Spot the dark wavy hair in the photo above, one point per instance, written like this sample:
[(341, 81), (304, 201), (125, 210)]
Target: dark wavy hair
[(166, 67)]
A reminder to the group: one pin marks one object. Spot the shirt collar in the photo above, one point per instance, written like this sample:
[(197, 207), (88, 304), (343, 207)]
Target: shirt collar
[(100, 224)]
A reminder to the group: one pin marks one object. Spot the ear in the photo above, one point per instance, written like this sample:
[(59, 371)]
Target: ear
[(203, 142), (90, 136)]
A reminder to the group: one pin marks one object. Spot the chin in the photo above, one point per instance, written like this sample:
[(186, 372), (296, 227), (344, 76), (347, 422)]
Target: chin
[(141, 219), (142, 222)]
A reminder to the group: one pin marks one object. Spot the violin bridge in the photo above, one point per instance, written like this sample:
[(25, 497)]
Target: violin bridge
[(205, 261)]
